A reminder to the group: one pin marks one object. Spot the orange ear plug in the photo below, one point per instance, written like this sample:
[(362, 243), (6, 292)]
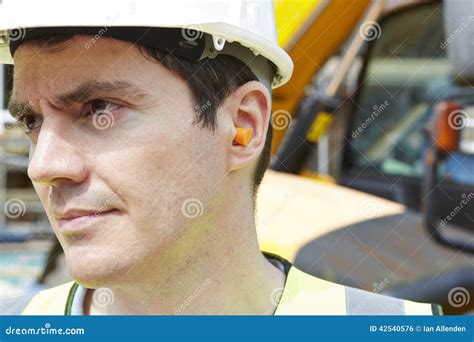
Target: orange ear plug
[(243, 136)]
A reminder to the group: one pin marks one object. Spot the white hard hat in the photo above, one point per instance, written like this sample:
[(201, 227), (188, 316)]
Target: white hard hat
[(192, 29)]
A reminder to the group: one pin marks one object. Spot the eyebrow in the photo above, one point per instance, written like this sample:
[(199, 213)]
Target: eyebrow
[(82, 93)]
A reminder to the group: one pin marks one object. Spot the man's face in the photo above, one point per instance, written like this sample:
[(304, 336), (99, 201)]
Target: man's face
[(113, 136)]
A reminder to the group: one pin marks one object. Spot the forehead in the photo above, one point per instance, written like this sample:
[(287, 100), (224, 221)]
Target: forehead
[(85, 51), (44, 68)]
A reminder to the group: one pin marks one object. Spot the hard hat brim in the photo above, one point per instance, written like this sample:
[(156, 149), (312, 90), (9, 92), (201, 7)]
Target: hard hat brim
[(256, 44)]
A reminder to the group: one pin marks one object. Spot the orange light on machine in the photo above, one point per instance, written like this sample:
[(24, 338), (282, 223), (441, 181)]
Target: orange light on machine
[(446, 126)]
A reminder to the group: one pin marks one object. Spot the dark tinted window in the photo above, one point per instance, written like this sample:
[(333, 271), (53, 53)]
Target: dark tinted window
[(407, 72)]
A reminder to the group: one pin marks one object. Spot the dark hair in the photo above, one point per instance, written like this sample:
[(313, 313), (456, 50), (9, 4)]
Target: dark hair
[(211, 81)]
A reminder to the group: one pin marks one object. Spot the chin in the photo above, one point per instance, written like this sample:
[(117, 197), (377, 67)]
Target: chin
[(94, 271)]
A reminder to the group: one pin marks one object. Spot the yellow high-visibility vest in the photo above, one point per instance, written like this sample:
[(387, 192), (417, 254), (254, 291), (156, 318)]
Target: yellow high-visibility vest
[(303, 294)]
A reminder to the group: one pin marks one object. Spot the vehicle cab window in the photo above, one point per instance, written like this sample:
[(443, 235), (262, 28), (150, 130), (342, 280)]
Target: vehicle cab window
[(406, 73)]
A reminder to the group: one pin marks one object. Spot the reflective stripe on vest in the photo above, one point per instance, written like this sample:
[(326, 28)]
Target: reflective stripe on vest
[(303, 295)]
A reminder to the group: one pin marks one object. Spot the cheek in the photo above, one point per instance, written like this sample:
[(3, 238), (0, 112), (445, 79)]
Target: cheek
[(157, 178), (150, 171)]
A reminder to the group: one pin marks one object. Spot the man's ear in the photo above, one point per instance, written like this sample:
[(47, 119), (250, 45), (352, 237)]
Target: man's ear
[(250, 107)]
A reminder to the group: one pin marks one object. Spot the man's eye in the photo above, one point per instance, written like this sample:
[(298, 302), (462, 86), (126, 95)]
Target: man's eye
[(102, 107), (30, 123)]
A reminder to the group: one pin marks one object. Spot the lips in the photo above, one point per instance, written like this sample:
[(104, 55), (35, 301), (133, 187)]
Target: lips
[(75, 213), (77, 219)]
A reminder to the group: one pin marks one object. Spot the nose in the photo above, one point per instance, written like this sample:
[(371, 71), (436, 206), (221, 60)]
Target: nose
[(55, 157)]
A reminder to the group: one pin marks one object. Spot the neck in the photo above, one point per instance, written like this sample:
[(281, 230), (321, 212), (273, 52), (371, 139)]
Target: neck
[(220, 274)]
